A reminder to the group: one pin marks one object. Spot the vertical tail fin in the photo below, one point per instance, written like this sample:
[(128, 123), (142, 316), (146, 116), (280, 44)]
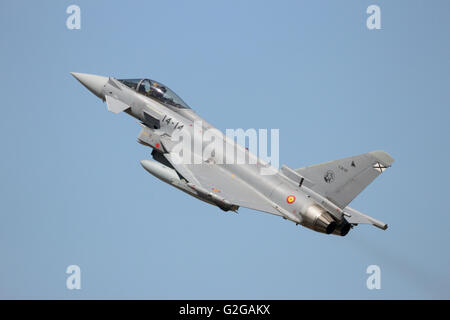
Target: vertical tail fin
[(342, 180)]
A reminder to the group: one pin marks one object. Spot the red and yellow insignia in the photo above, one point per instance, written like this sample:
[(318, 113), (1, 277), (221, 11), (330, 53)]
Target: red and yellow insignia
[(216, 190), (290, 199)]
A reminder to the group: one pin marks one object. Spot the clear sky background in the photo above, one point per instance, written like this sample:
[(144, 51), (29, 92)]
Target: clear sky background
[(72, 190)]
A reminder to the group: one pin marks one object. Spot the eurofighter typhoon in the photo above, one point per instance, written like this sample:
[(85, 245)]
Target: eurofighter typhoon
[(316, 197)]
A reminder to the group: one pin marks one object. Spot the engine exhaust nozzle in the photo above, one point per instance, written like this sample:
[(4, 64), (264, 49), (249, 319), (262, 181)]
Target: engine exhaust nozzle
[(342, 228), (317, 219)]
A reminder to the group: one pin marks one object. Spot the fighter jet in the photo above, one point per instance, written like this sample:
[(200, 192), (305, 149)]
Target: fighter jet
[(316, 197)]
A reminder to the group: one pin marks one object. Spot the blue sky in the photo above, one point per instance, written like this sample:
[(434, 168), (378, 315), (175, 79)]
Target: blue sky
[(73, 191)]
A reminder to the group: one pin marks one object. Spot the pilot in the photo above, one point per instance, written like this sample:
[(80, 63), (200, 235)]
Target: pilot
[(156, 90)]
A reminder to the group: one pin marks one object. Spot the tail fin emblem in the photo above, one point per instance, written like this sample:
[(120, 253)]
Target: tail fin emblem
[(379, 167)]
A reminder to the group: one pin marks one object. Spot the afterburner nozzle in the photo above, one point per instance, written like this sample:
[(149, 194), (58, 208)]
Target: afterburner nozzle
[(317, 219), (93, 82), (342, 228)]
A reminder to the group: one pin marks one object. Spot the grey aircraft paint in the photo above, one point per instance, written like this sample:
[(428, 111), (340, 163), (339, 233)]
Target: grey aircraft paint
[(316, 197)]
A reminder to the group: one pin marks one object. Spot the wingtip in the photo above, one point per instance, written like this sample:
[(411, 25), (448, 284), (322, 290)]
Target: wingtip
[(379, 224), (384, 227)]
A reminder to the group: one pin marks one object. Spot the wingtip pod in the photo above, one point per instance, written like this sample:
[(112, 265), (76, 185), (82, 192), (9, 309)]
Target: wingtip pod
[(382, 156), (378, 224)]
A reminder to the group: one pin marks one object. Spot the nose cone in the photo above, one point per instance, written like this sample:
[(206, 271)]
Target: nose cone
[(93, 82)]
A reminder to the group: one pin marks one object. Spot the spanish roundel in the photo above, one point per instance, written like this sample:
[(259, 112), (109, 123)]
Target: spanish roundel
[(290, 199)]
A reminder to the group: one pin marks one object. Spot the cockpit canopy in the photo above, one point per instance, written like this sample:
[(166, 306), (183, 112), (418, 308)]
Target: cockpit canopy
[(157, 91)]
